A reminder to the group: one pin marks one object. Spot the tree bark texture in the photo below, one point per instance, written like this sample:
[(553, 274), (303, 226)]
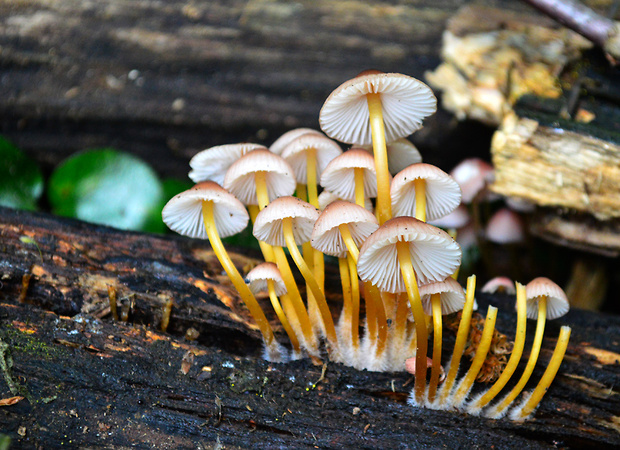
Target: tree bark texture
[(90, 381)]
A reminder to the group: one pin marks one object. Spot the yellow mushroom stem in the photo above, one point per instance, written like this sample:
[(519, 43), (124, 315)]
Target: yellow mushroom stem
[(461, 340), (400, 327), (328, 322), (515, 356), (377, 130), (311, 183), (380, 320), (234, 275), (265, 248), (347, 307), (420, 199), (544, 383), (531, 362), (298, 304), (348, 241), (453, 233), (262, 194), (371, 316), (360, 198), (481, 354), (411, 285), (280, 313), (301, 192), (437, 335), (355, 301)]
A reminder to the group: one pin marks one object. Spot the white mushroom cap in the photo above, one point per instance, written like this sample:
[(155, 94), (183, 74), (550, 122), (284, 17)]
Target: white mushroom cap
[(257, 279), (326, 236), (339, 175), (472, 175), (501, 284), (280, 144), (443, 194), (456, 219), (183, 212), (401, 153), (505, 227), (268, 225), (405, 100), (434, 254), (451, 295), (211, 164), (295, 154), (557, 303), (327, 197), (279, 177)]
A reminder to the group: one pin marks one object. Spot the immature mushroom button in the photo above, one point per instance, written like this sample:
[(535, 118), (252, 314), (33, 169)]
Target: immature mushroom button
[(376, 108), (472, 175), (351, 176), (505, 227), (211, 164)]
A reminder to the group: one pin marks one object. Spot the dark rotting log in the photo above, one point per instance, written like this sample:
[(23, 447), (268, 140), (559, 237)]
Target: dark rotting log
[(88, 380)]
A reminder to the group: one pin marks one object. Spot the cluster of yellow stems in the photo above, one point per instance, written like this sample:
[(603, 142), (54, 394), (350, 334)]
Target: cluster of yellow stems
[(403, 268)]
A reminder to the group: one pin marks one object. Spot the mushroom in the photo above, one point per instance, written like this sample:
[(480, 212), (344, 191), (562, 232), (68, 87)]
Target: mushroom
[(288, 221), (400, 253), (280, 144), (327, 197), (401, 153), (545, 300), (376, 108), (499, 284), (351, 176), (267, 277), (339, 231), (440, 298), (208, 211), (505, 227), (425, 192), (211, 164), (472, 175)]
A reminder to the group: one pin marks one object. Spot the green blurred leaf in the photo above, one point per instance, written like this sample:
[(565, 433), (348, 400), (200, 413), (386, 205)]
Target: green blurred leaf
[(171, 187), (108, 187), (21, 181)]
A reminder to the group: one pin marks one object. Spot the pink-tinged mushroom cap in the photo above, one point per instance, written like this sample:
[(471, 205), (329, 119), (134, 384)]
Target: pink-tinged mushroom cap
[(443, 194), (295, 153), (279, 176), (456, 219), (280, 144), (183, 213), (499, 284), (258, 277), (268, 225), (327, 197), (339, 175), (505, 227), (401, 153), (557, 303), (434, 254), (326, 236), (451, 294), (405, 100), (212, 164), (472, 174)]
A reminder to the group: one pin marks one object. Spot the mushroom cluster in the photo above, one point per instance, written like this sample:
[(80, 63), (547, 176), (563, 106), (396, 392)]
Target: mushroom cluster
[(397, 271)]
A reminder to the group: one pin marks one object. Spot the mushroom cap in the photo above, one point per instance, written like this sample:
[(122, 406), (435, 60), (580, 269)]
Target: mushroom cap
[(326, 236), (401, 153), (472, 175), (211, 164), (443, 194), (405, 100), (456, 219), (501, 284), (257, 279), (557, 303), (268, 225), (434, 254), (183, 212), (339, 175), (451, 295), (327, 197), (279, 144), (295, 154), (279, 177), (505, 227)]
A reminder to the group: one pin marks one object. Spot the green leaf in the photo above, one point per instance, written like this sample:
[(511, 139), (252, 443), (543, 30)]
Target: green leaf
[(108, 187), (171, 187), (21, 181)]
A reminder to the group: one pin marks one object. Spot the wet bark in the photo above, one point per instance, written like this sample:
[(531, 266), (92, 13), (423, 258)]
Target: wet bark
[(88, 380)]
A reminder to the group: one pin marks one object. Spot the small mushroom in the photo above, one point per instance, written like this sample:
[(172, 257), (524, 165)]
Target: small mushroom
[(211, 164), (351, 176), (401, 153)]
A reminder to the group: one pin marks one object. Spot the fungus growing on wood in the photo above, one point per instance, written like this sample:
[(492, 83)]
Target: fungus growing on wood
[(376, 108)]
